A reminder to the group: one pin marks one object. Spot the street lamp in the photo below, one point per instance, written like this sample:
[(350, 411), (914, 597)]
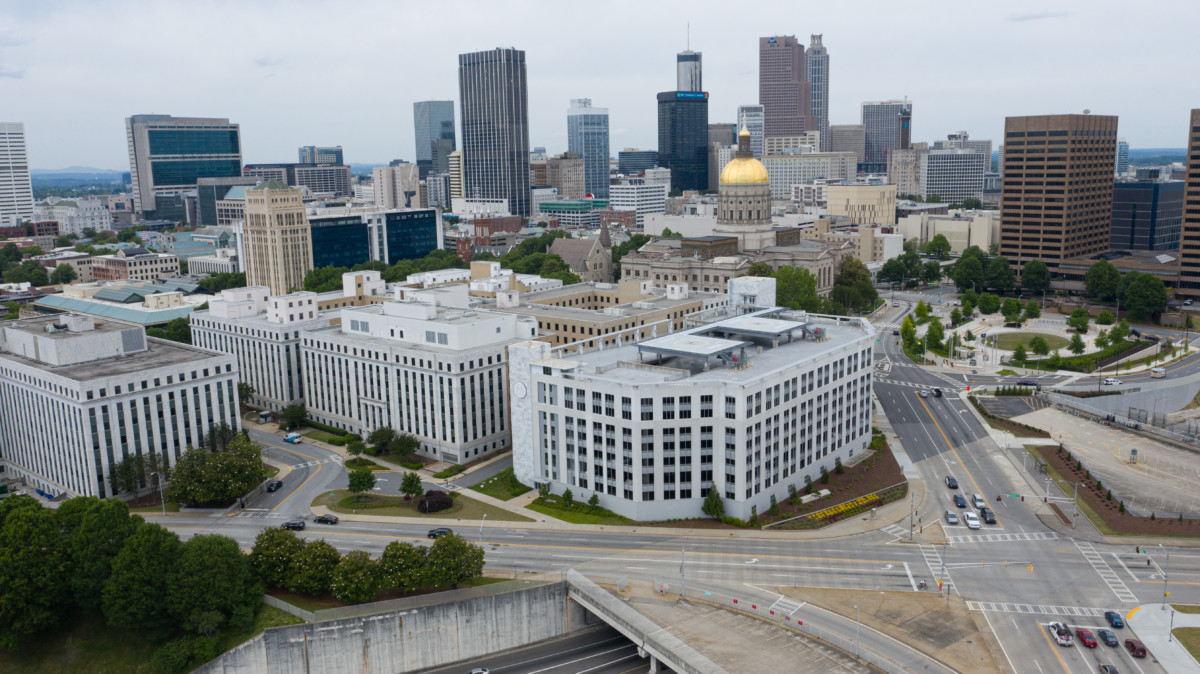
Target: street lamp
[(481, 528), (1166, 572), (158, 478)]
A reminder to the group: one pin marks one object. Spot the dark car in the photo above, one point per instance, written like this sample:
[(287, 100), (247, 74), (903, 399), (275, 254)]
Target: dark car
[(960, 501), (1108, 637), (1026, 382), (326, 519), (274, 485), (937, 393), (987, 515), (439, 532), (1085, 637), (294, 525), (1135, 648), (1114, 619), (951, 482), (1109, 669), (895, 332)]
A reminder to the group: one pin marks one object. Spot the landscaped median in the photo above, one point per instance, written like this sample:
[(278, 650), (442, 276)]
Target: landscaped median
[(465, 508), (503, 486)]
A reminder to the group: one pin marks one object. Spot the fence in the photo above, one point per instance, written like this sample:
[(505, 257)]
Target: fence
[(404, 603), (1064, 401)]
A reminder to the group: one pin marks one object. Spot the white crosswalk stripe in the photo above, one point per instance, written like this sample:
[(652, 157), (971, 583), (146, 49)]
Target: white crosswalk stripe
[(934, 561), (264, 515), (1109, 576), (895, 530), (1004, 538), (1036, 609), (785, 606)]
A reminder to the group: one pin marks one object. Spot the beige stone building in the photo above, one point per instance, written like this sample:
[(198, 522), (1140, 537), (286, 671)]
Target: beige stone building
[(455, 163), (863, 204), (276, 239), (962, 229), (904, 168), (744, 200), (867, 243), (588, 258), (565, 173), (134, 264), (810, 140)]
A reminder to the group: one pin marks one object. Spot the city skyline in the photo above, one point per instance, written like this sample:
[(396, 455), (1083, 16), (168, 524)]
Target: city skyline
[(244, 74)]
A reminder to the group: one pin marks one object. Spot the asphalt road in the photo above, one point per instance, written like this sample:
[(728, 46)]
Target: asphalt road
[(597, 651)]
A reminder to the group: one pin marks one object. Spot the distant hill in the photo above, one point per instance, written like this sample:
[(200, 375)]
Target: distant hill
[(75, 170), (1152, 156)]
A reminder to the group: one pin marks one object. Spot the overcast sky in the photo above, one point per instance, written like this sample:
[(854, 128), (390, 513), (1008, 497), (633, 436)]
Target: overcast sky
[(347, 73)]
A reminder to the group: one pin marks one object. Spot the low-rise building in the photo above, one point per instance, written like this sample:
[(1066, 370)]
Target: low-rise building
[(134, 264), (82, 395), (80, 262), (962, 229), (134, 302), (590, 258), (864, 203), (222, 261)]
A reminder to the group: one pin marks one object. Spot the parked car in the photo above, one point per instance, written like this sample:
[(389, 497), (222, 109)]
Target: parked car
[(1187, 302), (1060, 634), (1109, 638), (294, 525), (479, 670), (951, 518), (937, 393), (971, 520), (326, 519), (978, 502), (1135, 648), (988, 516), (274, 485), (960, 501), (439, 532), (951, 482), (1114, 619), (1085, 637)]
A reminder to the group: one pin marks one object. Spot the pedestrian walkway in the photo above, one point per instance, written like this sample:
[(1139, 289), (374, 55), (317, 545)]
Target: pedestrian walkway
[(1153, 625)]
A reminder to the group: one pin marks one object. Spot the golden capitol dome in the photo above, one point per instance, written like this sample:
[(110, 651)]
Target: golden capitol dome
[(744, 169)]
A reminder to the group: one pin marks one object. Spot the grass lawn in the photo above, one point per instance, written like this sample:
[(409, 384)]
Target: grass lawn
[(1009, 340), (450, 472), (321, 435), (1186, 608), (579, 513), (501, 486), (1190, 638), (464, 508), (360, 462), (1005, 372), (171, 508), (269, 471)]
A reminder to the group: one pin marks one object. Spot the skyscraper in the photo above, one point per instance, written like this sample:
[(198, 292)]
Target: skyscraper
[(1189, 235), (683, 138), (495, 125), (751, 118), (1122, 156), (1058, 187), (587, 136), (16, 192), (848, 138), (167, 154), (314, 154), (816, 74), (276, 242), (689, 71), (888, 126), (782, 90), (433, 122)]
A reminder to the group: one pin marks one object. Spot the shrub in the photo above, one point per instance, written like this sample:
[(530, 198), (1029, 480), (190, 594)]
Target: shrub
[(792, 491), (172, 657), (416, 465), (206, 648), (1099, 485), (568, 498), (1108, 495), (450, 472), (824, 475), (774, 506), (837, 466), (753, 516), (807, 485), (1122, 508), (328, 429), (1152, 516), (434, 501)]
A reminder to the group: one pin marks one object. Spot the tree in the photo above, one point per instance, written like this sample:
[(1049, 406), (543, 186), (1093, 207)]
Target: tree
[(968, 273), (410, 486), (1019, 355), (203, 476), (63, 242), (921, 310), (29, 271), (1033, 310), (1076, 346), (245, 393), (955, 317), (125, 477), (1000, 275), (1119, 331), (213, 586), (1035, 277), (935, 334), (380, 437), (355, 448), (1102, 340), (95, 532), (176, 330), (1079, 320), (893, 271), (931, 272), (1011, 309), (452, 560), (851, 270), (133, 597), (796, 288), (760, 269), (619, 251), (988, 303), (312, 568), (968, 307), (402, 566), (939, 247), (1039, 345), (294, 415), (908, 330), (272, 554), (434, 501), (324, 279), (568, 498), (1102, 281), (356, 578), (594, 502), (362, 479), (33, 573), (62, 274), (1145, 295), (218, 282), (1105, 318)]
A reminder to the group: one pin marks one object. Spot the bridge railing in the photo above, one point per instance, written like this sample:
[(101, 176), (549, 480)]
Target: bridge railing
[(403, 603)]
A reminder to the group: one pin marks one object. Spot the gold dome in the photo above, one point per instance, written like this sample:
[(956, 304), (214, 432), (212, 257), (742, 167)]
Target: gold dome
[(744, 171)]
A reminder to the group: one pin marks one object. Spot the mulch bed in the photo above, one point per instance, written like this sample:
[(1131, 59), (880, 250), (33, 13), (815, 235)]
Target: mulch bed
[(1109, 511)]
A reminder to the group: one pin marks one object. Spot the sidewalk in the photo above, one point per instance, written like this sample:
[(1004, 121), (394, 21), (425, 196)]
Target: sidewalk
[(1152, 624)]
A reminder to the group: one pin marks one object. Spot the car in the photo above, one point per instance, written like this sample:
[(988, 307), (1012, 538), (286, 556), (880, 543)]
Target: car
[(1112, 381), (1135, 648), (1085, 637), (326, 519), (978, 502), (1060, 634), (937, 393), (987, 515), (951, 518), (951, 482), (1187, 302), (479, 670), (972, 362), (274, 485), (1114, 619), (294, 525), (924, 393), (439, 532), (1108, 637), (970, 520), (1026, 382), (960, 501), (895, 332), (1109, 669)]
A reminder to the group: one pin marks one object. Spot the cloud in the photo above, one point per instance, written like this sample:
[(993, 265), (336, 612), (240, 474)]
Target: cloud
[(12, 74), (1037, 16), (267, 61), (9, 38)]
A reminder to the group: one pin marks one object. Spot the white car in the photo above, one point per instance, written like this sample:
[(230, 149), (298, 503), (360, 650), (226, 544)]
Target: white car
[(1060, 634), (971, 520)]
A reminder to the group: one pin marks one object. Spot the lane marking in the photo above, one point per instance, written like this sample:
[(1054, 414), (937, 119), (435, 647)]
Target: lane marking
[(1001, 641), (956, 456), (1051, 644)]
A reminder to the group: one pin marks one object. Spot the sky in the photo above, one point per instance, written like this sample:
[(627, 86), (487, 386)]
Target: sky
[(347, 73)]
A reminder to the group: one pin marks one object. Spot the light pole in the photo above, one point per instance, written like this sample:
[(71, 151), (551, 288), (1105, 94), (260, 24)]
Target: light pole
[(158, 479), (481, 528), (857, 628), (1166, 572), (1075, 506)]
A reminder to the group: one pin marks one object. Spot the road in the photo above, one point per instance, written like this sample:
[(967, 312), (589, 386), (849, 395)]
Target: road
[(599, 651)]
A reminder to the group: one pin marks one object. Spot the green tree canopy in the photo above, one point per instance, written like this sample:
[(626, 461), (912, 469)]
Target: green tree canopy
[(908, 330), (761, 269), (34, 568), (989, 303), (324, 279), (1145, 295), (218, 282), (1102, 281), (931, 272), (1011, 309), (245, 393), (1105, 318), (452, 560), (1079, 319), (294, 415), (935, 334), (380, 437), (939, 247), (851, 270), (968, 273), (893, 271), (410, 486), (95, 531), (796, 288), (1119, 331), (1033, 310), (213, 586), (1039, 345), (134, 596), (713, 505), (356, 578), (403, 566), (1019, 355), (176, 330), (361, 479), (1035, 277), (1076, 345), (204, 476), (63, 274), (271, 556), (1000, 275), (312, 568)]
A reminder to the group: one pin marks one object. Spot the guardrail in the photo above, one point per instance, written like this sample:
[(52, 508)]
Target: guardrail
[(403, 603), (1063, 401)]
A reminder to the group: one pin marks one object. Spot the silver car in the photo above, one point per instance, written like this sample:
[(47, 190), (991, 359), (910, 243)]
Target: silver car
[(951, 517), (924, 393)]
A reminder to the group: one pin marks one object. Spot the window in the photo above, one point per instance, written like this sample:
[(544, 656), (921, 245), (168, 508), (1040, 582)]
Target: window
[(430, 336), (668, 408)]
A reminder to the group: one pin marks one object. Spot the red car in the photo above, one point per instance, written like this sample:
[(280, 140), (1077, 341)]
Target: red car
[(1135, 647), (1086, 637)]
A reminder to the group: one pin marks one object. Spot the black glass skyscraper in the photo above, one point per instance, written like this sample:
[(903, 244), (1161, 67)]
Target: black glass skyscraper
[(683, 138), (495, 126), (433, 122)]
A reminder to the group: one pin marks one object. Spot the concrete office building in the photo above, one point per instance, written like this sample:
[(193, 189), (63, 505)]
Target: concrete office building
[(952, 174), (433, 124), (455, 164), (168, 155), (904, 168), (809, 141), (962, 229), (720, 136), (816, 74), (631, 161), (275, 243), (587, 137), (134, 264), (16, 191), (639, 195), (210, 191), (683, 138), (1189, 234), (783, 91), (786, 170), (1058, 187), (1146, 215), (567, 173), (436, 372), (887, 126), (638, 424), (689, 71), (495, 125), (963, 141), (222, 261), (83, 395), (322, 179), (751, 118), (397, 185), (74, 215), (315, 154), (849, 138), (871, 203), (80, 262)]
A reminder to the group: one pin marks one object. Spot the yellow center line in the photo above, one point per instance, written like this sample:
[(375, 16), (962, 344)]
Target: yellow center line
[(1046, 633), (297, 489), (955, 453)]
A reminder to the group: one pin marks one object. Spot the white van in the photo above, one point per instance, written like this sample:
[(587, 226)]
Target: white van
[(1112, 381), (1157, 373)]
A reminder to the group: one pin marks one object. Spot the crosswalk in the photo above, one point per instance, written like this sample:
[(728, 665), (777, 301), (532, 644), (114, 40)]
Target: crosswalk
[(1036, 609), (934, 561), (785, 606), (309, 464), (1109, 576), (895, 530), (1004, 538), (262, 514)]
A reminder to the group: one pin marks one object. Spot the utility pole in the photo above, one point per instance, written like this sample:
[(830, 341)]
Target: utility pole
[(682, 576), (911, 503), (158, 478), (481, 528), (1166, 572), (943, 575), (1075, 506)]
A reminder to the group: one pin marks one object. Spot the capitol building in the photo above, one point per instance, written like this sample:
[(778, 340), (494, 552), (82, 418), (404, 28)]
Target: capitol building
[(744, 200)]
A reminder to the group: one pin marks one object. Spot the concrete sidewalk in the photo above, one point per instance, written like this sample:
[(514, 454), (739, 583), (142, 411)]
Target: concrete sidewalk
[(1153, 628)]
